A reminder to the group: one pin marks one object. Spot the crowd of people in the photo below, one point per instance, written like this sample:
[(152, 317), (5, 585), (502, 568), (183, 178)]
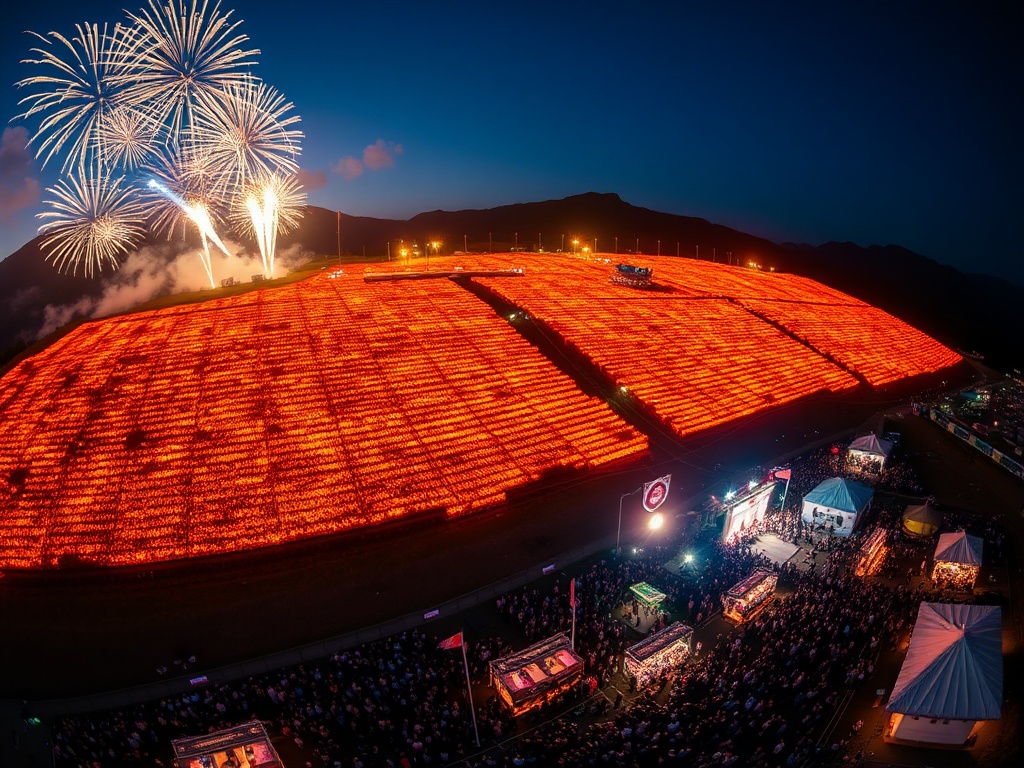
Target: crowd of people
[(759, 695)]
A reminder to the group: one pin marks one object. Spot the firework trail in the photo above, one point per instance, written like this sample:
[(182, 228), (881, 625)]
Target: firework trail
[(166, 100)]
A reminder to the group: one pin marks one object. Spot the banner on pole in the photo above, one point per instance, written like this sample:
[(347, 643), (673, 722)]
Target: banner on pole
[(655, 492)]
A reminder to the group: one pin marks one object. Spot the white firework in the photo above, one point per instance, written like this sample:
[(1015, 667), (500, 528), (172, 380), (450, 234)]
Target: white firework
[(129, 138), (167, 99), (248, 134), (291, 203), (76, 92), (93, 221), (182, 53)]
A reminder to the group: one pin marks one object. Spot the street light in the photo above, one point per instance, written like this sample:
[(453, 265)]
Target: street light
[(618, 532)]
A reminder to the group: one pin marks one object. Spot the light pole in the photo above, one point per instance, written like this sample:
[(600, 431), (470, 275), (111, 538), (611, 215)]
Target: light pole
[(618, 532)]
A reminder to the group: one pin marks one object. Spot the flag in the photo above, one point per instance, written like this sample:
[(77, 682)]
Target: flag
[(455, 641), (782, 473), (572, 594), (655, 492)]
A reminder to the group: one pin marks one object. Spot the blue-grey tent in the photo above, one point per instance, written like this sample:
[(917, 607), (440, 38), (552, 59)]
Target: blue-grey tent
[(835, 505), (952, 677)]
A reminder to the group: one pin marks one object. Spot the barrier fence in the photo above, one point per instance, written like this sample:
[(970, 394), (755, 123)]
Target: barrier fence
[(972, 439)]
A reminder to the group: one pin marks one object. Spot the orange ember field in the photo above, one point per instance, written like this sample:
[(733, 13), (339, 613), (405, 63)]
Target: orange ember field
[(336, 404)]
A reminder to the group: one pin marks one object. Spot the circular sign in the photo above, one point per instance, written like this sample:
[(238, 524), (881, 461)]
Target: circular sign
[(655, 494)]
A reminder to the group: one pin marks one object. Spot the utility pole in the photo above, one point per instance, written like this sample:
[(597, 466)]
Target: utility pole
[(339, 237)]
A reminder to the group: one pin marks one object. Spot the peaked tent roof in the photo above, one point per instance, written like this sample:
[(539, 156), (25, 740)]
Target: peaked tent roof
[(954, 666), (844, 495), (924, 513), (959, 547), (922, 519), (871, 444)]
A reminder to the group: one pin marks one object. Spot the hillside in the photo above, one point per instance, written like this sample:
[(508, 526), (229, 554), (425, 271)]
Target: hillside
[(340, 403), (966, 311)]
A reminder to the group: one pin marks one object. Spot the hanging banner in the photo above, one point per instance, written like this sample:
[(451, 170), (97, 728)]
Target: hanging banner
[(655, 492)]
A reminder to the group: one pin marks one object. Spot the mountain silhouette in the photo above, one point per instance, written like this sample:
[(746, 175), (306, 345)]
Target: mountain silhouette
[(971, 312)]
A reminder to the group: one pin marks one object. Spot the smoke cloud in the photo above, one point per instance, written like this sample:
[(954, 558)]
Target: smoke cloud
[(311, 180), (161, 271), (376, 156)]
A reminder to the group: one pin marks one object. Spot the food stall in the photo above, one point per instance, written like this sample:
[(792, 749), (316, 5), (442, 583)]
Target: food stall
[(537, 674), (872, 553), (745, 600), (244, 746), (648, 596), (661, 651), (957, 560)]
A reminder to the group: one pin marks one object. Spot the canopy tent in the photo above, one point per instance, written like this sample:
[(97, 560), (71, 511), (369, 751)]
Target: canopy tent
[(959, 547), (957, 560), (647, 595), (868, 454), (871, 445), (662, 650), (952, 676), (536, 674), (836, 505), (921, 519)]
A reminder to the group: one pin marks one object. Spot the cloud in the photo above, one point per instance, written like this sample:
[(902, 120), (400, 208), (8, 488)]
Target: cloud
[(380, 154), (311, 180), (19, 187), (348, 168), (160, 271)]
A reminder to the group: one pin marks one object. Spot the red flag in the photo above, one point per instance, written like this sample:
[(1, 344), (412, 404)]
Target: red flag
[(455, 641), (783, 473), (572, 594)]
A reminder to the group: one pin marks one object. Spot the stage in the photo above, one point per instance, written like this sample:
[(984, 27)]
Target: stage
[(774, 548)]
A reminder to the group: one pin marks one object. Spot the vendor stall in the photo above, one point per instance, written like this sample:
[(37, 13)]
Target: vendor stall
[(872, 553), (655, 654), (745, 600), (244, 746), (957, 560), (536, 674), (648, 596), (922, 520)]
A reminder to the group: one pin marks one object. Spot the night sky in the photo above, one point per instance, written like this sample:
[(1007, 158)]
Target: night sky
[(876, 122)]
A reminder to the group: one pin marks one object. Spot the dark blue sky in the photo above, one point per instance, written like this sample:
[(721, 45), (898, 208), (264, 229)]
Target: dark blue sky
[(876, 122)]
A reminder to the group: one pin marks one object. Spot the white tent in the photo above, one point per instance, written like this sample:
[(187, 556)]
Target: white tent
[(959, 547), (869, 453), (952, 677), (836, 505)]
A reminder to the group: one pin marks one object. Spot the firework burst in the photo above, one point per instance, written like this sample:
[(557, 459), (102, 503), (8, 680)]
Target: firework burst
[(166, 98), (291, 203), (248, 134), (94, 220), (183, 55), (78, 92)]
